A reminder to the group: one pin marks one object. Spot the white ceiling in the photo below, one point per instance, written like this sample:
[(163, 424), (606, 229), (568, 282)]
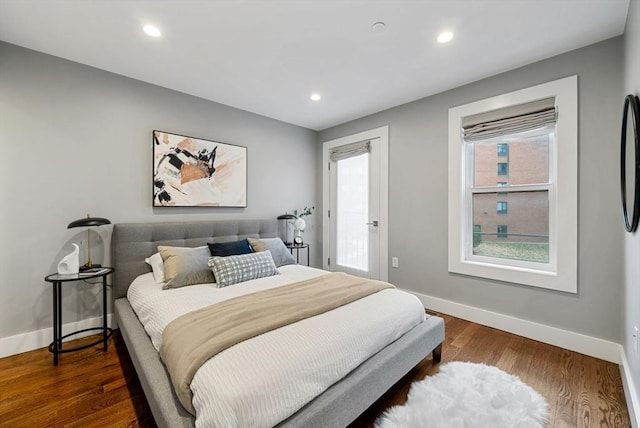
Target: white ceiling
[(268, 56)]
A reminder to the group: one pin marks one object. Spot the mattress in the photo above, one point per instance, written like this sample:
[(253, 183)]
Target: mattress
[(264, 380)]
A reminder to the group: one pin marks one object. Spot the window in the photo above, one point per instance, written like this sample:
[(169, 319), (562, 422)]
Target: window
[(528, 246)]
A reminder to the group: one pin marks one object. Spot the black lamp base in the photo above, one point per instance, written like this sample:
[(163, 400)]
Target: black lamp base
[(87, 267)]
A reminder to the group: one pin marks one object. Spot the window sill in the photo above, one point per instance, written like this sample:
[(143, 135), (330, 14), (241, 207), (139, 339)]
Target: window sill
[(559, 281)]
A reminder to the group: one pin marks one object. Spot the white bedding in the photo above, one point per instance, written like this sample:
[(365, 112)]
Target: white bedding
[(262, 381)]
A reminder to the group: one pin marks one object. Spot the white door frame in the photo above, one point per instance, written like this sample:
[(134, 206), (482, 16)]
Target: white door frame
[(383, 221)]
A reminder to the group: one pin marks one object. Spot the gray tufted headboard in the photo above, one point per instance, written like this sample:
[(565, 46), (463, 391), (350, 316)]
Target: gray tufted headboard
[(131, 243)]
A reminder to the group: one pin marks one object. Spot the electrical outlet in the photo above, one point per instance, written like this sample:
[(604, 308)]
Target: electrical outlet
[(635, 338), (394, 262)]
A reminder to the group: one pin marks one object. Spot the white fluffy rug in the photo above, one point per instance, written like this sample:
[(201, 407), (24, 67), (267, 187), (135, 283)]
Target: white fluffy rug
[(468, 395)]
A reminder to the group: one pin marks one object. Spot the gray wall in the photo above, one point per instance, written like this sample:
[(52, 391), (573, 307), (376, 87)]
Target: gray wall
[(418, 195), (76, 140), (631, 292)]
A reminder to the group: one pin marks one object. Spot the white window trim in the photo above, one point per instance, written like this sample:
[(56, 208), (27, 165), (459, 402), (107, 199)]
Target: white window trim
[(564, 275)]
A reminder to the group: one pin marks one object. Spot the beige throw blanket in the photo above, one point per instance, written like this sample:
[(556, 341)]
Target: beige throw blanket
[(191, 339)]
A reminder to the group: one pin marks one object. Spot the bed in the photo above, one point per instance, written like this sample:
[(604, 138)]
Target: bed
[(337, 406)]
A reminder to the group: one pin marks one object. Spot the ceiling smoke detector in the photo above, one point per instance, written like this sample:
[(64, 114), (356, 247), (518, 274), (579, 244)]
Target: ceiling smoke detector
[(378, 27)]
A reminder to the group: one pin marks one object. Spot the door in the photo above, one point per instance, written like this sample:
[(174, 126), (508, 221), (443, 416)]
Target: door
[(355, 210)]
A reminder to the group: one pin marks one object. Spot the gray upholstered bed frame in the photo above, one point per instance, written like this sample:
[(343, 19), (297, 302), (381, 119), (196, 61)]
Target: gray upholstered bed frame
[(336, 407)]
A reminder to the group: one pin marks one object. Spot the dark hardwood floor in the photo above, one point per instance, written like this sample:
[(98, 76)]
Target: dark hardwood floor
[(90, 388), (581, 391)]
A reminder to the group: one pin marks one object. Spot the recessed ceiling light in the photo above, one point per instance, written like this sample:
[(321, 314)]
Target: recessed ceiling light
[(152, 30), (445, 37), (315, 97)]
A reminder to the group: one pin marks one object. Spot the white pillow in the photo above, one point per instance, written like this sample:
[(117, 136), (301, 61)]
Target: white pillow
[(157, 266)]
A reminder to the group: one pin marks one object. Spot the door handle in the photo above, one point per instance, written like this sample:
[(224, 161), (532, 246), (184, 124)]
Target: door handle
[(374, 223)]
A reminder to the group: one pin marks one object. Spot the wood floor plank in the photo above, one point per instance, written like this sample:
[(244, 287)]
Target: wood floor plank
[(510, 353), (609, 396), (90, 388)]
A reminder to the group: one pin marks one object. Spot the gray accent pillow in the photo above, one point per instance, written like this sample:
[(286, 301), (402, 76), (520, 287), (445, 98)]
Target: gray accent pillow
[(281, 255), (185, 266), (235, 269)]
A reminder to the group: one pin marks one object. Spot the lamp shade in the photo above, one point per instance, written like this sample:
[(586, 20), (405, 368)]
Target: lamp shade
[(88, 221), (286, 217)]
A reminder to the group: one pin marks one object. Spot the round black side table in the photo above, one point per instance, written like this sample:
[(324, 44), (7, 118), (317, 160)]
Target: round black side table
[(57, 279), (299, 247)]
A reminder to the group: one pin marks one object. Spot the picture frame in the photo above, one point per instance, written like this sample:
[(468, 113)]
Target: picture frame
[(195, 172)]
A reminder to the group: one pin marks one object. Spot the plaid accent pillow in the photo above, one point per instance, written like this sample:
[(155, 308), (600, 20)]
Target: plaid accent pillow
[(235, 269)]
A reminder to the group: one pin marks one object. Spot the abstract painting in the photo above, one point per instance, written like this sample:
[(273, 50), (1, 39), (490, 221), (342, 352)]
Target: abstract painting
[(192, 172)]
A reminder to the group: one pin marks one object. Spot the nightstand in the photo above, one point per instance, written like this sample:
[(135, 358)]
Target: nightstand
[(57, 279), (296, 247)]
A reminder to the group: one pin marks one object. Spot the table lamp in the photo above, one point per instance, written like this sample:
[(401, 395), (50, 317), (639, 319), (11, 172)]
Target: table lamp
[(286, 219), (88, 222)]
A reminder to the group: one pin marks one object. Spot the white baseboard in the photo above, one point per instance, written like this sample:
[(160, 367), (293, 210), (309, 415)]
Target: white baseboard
[(592, 346), (633, 403), (42, 338)]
